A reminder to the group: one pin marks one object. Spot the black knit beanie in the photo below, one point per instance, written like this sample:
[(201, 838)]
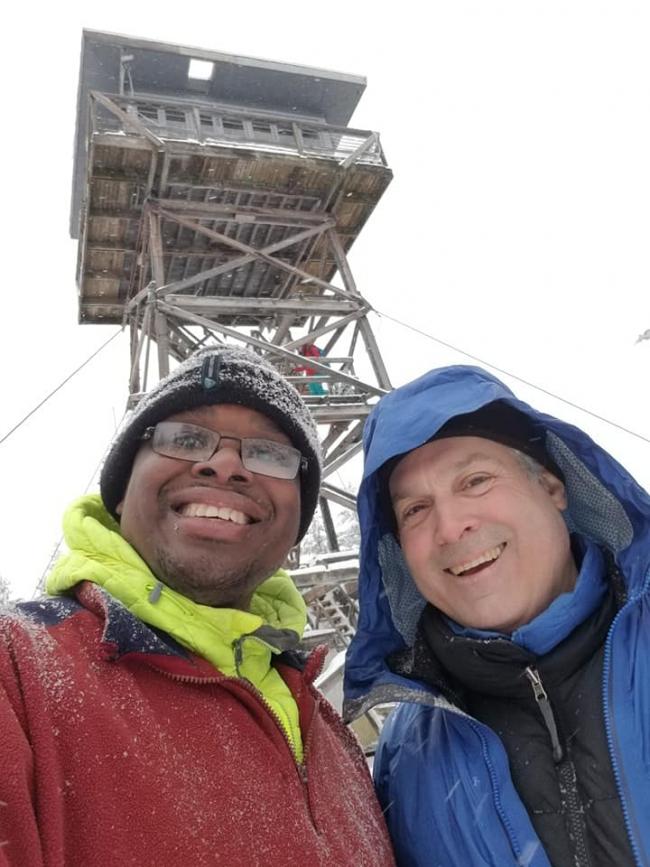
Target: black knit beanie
[(502, 423), (219, 374)]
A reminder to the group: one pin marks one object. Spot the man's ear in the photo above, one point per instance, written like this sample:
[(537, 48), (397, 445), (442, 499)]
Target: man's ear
[(119, 507), (554, 488)]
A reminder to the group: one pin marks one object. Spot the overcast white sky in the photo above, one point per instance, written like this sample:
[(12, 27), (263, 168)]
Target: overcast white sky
[(517, 227)]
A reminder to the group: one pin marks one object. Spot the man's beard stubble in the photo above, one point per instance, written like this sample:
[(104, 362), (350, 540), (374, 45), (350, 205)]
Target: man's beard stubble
[(207, 582)]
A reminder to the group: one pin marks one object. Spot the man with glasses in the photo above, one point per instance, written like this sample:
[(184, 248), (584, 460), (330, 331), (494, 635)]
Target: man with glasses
[(155, 709)]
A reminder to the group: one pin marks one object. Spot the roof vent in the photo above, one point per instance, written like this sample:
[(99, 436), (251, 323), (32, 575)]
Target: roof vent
[(200, 69)]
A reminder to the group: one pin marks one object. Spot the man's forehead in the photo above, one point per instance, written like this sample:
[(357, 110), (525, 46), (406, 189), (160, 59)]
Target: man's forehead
[(446, 455)]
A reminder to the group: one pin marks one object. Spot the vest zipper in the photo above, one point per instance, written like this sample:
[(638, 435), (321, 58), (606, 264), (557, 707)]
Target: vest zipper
[(567, 781), (547, 711)]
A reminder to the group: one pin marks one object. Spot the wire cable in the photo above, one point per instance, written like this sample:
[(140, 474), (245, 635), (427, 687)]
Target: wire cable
[(40, 586), (59, 386), (513, 376)]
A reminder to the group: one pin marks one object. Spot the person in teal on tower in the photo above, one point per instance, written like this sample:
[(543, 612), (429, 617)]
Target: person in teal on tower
[(155, 707), (505, 605)]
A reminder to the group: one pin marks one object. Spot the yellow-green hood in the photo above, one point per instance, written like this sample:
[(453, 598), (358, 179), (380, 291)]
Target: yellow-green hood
[(237, 643)]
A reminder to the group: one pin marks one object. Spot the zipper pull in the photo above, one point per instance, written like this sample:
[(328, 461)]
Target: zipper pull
[(156, 590), (239, 655), (544, 705)]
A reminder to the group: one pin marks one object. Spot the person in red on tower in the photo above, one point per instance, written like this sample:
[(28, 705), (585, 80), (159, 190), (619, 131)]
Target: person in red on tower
[(310, 350), (155, 707)]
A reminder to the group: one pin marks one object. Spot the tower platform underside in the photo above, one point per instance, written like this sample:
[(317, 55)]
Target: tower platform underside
[(244, 203)]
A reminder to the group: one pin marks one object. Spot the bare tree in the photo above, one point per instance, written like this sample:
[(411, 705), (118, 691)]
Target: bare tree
[(5, 592)]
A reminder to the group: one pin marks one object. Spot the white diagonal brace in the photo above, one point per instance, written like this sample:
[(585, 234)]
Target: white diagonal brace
[(334, 465), (338, 495), (231, 264), (129, 121), (268, 347), (360, 151), (257, 254), (325, 329)]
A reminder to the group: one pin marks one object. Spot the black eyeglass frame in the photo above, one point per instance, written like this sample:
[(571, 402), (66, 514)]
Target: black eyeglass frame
[(303, 464)]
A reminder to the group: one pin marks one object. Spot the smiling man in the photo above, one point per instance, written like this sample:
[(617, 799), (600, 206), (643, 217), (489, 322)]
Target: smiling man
[(175, 512), (154, 709), (504, 604), (480, 528)]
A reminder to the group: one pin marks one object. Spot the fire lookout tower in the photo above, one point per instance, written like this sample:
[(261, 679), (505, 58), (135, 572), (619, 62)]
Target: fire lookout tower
[(215, 198)]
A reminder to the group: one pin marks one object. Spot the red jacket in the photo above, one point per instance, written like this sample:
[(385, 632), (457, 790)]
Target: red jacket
[(118, 747)]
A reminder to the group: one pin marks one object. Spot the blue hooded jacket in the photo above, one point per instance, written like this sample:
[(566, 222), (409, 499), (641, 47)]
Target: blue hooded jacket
[(443, 777)]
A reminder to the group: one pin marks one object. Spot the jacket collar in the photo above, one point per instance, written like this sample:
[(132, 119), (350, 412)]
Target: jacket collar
[(495, 666), (99, 554), (123, 632)]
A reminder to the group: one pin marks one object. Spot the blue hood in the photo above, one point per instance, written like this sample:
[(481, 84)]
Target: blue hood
[(605, 505)]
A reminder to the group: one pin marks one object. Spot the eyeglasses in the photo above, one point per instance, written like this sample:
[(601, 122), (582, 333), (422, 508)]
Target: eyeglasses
[(189, 442)]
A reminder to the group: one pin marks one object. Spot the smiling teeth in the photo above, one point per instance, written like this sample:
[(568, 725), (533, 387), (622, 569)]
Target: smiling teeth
[(486, 557), (201, 510)]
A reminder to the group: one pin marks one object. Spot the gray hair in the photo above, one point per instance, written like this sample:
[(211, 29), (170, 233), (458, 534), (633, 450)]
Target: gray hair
[(530, 465)]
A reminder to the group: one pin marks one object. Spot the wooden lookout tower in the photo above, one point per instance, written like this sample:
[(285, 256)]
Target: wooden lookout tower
[(215, 198)]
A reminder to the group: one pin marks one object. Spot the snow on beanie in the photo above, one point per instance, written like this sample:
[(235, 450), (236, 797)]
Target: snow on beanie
[(219, 374)]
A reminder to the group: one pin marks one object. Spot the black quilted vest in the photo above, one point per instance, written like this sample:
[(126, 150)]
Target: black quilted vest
[(548, 713)]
